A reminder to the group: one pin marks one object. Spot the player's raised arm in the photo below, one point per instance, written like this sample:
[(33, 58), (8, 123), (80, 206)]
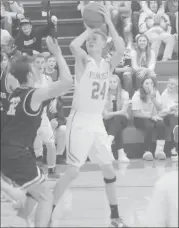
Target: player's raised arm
[(65, 82), (76, 45), (117, 40)]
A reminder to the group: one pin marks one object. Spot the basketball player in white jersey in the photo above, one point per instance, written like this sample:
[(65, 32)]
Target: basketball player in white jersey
[(45, 133), (86, 134), (163, 208)]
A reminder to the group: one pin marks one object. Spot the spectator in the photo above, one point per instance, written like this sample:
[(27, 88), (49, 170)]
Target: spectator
[(171, 7), (170, 112), (145, 7), (146, 106), (50, 68), (4, 62), (125, 71), (11, 12), (158, 30), (29, 40), (58, 122), (116, 115), (121, 13), (143, 60)]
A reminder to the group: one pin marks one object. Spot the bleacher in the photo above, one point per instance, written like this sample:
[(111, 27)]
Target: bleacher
[(70, 25)]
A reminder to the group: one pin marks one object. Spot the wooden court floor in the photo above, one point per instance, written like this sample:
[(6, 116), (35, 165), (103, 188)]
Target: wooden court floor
[(89, 206)]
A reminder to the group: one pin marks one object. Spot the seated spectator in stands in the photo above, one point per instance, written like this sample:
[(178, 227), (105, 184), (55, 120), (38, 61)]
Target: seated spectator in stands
[(116, 115), (137, 8), (11, 13), (58, 122), (170, 111), (5, 37), (158, 30), (4, 62), (125, 71), (29, 40), (50, 68), (146, 9), (143, 60), (121, 13), (146, 106), (171, 7)]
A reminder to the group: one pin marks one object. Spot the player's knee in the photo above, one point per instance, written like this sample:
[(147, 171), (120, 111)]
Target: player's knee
[(72, 172), (109, 173), (110, 180), (41, 193)]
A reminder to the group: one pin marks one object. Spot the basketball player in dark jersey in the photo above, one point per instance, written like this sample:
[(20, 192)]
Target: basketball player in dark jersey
[(23, 120)]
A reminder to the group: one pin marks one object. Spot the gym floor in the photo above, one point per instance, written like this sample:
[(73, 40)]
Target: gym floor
[(135, 183)]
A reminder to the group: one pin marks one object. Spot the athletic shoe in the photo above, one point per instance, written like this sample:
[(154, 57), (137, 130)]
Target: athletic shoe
[(174, 155), (117, 223), (122, 156), (160, 155), (148, 156)]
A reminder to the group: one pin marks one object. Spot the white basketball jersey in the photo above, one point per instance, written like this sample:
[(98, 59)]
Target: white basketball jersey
[(91, 92)]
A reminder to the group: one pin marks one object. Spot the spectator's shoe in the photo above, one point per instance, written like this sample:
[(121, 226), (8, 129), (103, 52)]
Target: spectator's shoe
[(117, 223), (148, 156), (122, 157), (174, 155), (160, 155)]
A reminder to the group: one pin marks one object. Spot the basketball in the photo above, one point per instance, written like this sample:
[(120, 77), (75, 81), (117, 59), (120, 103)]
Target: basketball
[(91, 16)]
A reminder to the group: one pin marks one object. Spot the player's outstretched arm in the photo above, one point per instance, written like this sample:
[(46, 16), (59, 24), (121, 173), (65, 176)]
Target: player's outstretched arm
[(55, 89), (118, 41), (77, 43)]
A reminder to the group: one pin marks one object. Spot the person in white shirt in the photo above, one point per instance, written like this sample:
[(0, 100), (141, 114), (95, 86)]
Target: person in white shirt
[(158, 29), (116, 115), (170, 112), (143, 59), (146, 106), (163, 207)]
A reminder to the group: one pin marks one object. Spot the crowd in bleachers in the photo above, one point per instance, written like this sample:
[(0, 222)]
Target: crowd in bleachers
[(145, 26)]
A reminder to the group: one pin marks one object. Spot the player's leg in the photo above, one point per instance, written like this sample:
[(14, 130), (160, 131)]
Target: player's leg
[(14, 193), (23, 171), (79, 143), (47, 136), (103, 155)]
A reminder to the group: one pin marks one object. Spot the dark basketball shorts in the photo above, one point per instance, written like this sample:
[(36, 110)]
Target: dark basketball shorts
[(19, 165)]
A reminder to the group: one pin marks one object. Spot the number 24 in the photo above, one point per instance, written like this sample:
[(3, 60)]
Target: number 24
[(97, 91)]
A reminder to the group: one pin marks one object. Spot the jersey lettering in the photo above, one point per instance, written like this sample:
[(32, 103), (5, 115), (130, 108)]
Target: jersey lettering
[(13, 104), (97, 91)]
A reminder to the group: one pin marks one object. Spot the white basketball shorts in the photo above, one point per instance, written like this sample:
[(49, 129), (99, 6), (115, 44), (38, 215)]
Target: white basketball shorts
[(87, 137)]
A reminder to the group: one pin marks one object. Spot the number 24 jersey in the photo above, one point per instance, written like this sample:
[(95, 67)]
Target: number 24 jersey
[(92, 89)]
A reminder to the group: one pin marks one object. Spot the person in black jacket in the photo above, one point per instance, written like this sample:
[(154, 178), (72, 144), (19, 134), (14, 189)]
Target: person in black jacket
[(29, 40)]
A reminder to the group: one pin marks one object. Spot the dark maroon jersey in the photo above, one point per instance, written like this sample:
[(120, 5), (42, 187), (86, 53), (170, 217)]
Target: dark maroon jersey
[(4, 103), (22, 122)]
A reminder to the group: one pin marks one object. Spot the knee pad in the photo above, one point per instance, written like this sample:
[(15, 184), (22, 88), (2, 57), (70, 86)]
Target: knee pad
[(110, 181)]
